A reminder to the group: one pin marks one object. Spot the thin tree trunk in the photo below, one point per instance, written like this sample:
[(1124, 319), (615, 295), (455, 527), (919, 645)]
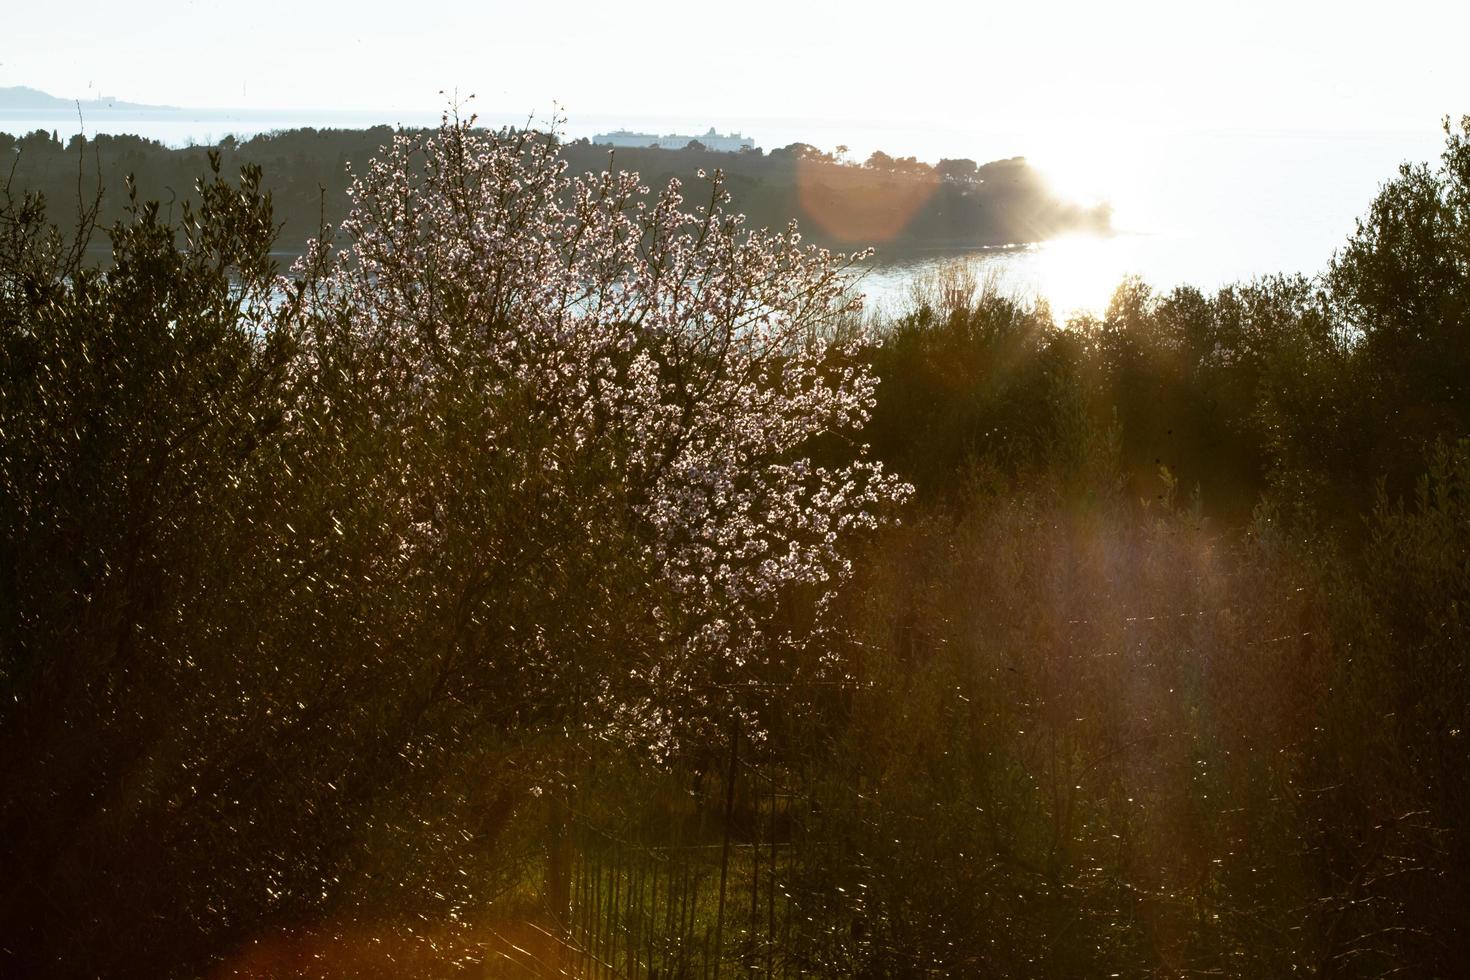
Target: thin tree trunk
[(725, 848), (559, 865), (771, 907)]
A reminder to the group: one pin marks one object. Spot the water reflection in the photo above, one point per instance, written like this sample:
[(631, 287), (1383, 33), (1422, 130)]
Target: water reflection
[(1075, 275)]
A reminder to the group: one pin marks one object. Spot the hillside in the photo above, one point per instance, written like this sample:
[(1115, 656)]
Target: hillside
[(896, 205), (24, 97)]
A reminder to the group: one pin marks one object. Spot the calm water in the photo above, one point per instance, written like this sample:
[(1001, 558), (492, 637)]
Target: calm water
[(1198, 207)]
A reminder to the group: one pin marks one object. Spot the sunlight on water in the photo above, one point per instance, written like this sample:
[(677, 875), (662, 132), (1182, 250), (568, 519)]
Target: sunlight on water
[(1075, 275), (1078, 274), (1204, 209)]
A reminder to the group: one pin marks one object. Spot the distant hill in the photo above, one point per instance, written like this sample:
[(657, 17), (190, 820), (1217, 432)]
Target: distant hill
[(24, 97), (897, 204)]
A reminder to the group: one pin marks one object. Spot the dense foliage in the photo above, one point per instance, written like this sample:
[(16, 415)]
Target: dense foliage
[(513, 589)]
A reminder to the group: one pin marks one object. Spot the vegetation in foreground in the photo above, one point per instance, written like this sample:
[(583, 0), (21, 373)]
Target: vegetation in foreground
[(557, 580)]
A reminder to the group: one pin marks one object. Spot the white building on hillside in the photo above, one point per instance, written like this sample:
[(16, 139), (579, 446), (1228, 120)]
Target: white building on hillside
[(731, 143)]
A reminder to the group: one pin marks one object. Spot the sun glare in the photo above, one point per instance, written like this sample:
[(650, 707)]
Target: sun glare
[(1077, 274)]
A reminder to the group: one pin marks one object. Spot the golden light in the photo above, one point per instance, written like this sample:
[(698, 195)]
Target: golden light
[(859, 207)]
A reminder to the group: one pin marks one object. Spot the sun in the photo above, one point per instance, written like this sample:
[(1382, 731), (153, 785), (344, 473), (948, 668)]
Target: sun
[(1101, 164)]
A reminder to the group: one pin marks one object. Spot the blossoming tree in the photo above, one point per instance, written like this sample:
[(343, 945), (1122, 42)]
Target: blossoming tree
[(644, 377)]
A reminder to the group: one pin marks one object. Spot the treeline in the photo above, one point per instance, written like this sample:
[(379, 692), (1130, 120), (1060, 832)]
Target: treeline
[(331, 649), (893, 204)]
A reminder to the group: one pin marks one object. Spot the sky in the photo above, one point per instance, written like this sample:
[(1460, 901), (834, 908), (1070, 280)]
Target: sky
[(1019, 66)]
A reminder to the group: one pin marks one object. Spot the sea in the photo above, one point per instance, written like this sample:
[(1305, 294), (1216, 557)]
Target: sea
[(1190, 206)]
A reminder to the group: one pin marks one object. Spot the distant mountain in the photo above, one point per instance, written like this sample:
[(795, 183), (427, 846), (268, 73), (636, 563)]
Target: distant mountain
[(23, 97)]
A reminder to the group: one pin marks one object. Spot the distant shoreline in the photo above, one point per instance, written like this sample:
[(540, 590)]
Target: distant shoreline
[(900, 205)]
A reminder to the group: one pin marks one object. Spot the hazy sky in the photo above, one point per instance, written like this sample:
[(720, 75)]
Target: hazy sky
[(1023, 65)]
